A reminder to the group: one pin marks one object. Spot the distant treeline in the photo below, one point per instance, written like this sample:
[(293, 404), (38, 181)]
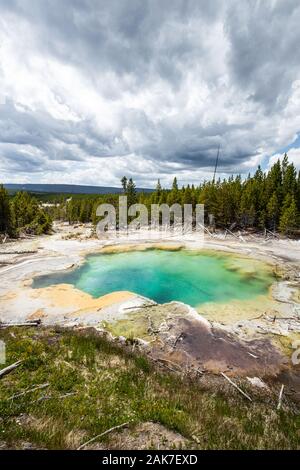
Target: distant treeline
[(22, 214), (267, 200)]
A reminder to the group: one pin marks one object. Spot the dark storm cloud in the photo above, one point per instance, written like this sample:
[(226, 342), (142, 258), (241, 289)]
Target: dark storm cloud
[(55, 139), (265, 53), (222, 72), (140, 38)]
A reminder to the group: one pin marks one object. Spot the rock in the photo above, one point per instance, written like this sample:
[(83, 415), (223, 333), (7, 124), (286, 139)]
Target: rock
[(257, 382)]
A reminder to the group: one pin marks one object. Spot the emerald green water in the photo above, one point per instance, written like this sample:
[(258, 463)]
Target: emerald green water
[(185, 276)]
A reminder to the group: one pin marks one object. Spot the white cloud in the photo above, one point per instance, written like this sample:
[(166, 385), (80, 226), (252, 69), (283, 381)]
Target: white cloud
[(97, 89), (293, 154)]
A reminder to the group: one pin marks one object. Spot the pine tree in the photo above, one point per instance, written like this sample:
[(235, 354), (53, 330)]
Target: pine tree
[(156, 195), (174, 195), (84, 214), (5, 212), (274, 181), (187, 195), (289, 220), (289, 180), (28, 216), (175, 184), (131, 193), (273, 212), (124, 184), (247, 206), (284, 164)]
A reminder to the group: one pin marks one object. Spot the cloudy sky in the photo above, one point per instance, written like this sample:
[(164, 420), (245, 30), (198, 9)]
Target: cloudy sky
[(91, 90)]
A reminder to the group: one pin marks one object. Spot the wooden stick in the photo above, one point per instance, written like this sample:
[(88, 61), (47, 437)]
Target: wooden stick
[(272, 233), (10, 368), (179, 337), (140, 306), (235, 385), (38, 387), (103, 434), (257, 318), (28, 323), (50, 397), (280, 397), (161, 359), (18, 252), (231, 233), (285, 318)]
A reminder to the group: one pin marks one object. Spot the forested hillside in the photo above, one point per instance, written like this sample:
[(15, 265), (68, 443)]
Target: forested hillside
[(22, 214), (265, 200)]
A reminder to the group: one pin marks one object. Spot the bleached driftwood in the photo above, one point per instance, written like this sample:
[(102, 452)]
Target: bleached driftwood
[(272, 233), (236, 386), (25, 252), (280, 397), (38, 387), (28, 323), (137, 307), (206, 230), (50, 397), (114, 428), (10, 368), (235, 236)]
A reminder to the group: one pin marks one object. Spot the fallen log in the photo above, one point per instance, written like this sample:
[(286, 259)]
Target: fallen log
[(10, 368), (25, 252), (236, 386), (28, 323), (140, 306), (114, 428), (272, 233), (236, 236)]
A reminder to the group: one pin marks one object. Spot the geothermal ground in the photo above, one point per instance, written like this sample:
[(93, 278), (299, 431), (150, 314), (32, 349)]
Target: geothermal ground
[(254, 338)]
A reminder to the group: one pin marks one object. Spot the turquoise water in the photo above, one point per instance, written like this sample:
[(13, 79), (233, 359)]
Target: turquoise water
[(163, 276)]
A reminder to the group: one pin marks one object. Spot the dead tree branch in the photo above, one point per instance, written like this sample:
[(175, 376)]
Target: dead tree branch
[(10, 368), (114, 428), (236, 386)]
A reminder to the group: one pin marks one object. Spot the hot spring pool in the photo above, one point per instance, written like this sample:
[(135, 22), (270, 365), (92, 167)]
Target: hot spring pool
[(186, 276)]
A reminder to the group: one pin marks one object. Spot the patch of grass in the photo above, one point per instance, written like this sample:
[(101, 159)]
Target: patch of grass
[(142, 363), (95, 384)]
